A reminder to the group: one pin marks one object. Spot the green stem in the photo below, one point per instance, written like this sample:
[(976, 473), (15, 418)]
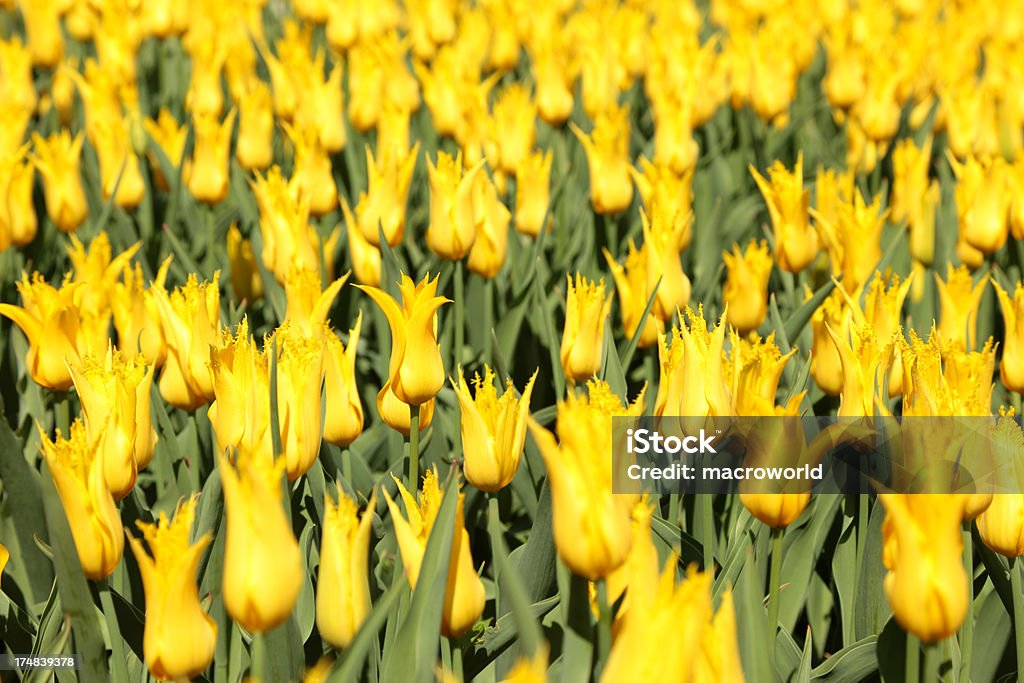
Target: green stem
[(119, 665), (774, 578), (235, 653), (258, 654), (414, 448), (932, 659), (912, 667), (1018, 612), (457, 659), (707, 502), (460, 311), (488, 318), (862, 534), (63, 414), (346, 465), (494, 517), (967, 630), (674, 502), (211, 226), (604, 623)]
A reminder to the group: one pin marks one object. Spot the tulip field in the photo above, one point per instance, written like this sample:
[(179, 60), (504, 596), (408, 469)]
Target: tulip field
[(315, 316)]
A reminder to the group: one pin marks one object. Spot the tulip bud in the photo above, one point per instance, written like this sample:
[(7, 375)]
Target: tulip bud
[(300, 375), (959, 298), (77, 469), (490, 247), (17, 214), (631, 281), (452, 228), (745, 292), (607, 149), (382, 207), (796, 243), (208, 180), (661, 187), (554, 82), (312, 169), (586, 311), (366, 259), (255, 147), (464, 595), (865, 361), (983, 202), (343, 586), (179, 638), (533, 192), (57, 159), (246, 282), (752, 370)]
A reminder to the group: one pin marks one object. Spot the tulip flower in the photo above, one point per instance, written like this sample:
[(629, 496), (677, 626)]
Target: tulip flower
[(377, 72), (533, 192), (119, 167), (170, 137), (493, 429), (57, 159), (366, 258), (512, 128), (5, 555), (246, 281), (665, 234), (136, 317), (464, 593), (1011, 366), (752, 371), (42, 28), (591, 524), (796, 243), (59, 331), (853, 239), (922, 549), (114, 391), (1001, 525), (586, 311), (943, 379), (254, 148), (959, 298), (190, 318), (631, 281), (17, 215), (300, 375), (416, 371), (745, 292), (865, 361), (393, 130), (553, 76), (452, 228), (607, 149), (240, 412), (343, 585), (674, 145), (179, 637), (487, 255), (307, 306), (983, 202), (76, 466), (445, 83), (96, 272), (910, 165), (208, 179), (312, 169), (204, 96), (692, 370), (661, 187), (638, 575), (16, 62), (382, 206), (263, 566), (343, 419)]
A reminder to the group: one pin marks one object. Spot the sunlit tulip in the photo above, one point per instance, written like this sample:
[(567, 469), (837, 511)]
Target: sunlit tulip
[(57, 159), (942, 379), (959, 298), (136, 317), (452, 228), (854, 239), (246, 282), (607, 149), (631, 281), (1001, 525), (77, 469), (530, 670), (307, 302), (638, 575), (240, 412), (796, 242), (255, 146), (42, 28), (533, 192), (382, 207), (205, 96), (393, 130), (586, 311), (922, 549), (416, 371), (312, 169), (300, 374), (745, 292), (493, 429), (263, 566), (170, 136), (752, 372), (865, 361), (983, 202), (190, 319), (343, 585), (343, 419), (674, 144), (464, 591), (1011, 366), (378, 73), (119, 167), (366, 258), (208, 179), (910, 165), (692, 369), (18, 223), (591, 524), (661, 187), (16, 62), (96, 272), (490, 247), (554, 79), (179, 638), (512, 128), (826, 366), (665, 234)]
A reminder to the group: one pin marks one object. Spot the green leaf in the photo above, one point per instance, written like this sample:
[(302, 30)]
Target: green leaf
[(852, 664), (496, 639), (803, 673), (578, 637), (511, 586), (351, 662), (751, 619), (798, 319)]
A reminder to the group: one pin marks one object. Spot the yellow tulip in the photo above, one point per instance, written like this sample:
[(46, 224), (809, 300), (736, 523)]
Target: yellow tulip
[(246, 282), (190, 318), (343, 585), (983, 196), (883, 305), (5, 555), (208, 179), (745, 292), (393, 130), (382, 206), (796, 243), (586, 310), (170, 136), (922, 549), (632, 282), (452, 228), (96, 272), (162, 18), (300, 375), (204, 96), (591, 524), (136, 317), (942, 379), (114, 392), (307, 306), (312, 169), (959, 298), (672, 193), (240, 412), (343, 419), (493, 430), (18, 223), (826, 366), (512, 128), (533, 192), (674, 145), (910, 165), (119, 167), (255, 146), (378, 73), (16, 62), (415, 371), (692, 370), (62, 91), (638, 575), (77, 469), (607, 149), (1001, 525), (853, 240), (58, 329), (665, 235), (752, 372), (464, 596), (366, 258), (57, 159), (42, 28), (487, 255), (445, 83), (530, 669), (1011, 366), (179, 638), (263, 566), (865, 360)]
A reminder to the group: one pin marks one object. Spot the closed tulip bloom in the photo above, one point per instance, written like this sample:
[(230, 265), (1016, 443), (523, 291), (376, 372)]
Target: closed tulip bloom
[(263, 566), (57, 159), (343, 420), (554, 80), (983, 196), (922, 549), (17, 214), (1001, 525), (672, 193), (854, 239), (692, 370), (343, 585), (665, 234), (179, 637), (607, 149), (910, 165), (1011, 366), (493, 429), (533, 192), (674, 144), (416, 371), (16, 62), (796, 242), (240, 412), (865, 361), (393, 130), (312, 169), (136, 317), (586, 310), (119, 167), (752, 371), (306, 305), (323, 108), (490, 247), (366, 258), (638, 575), (246, 281), (745, 292), (42, 28), (382, 207), (464, 596), (631, 281), (190, 318), (208, 179), (77, 469), (300, 375), (255, 146), (59, 331), (959, 298), (592, 525), (169, 136), (512, 124), (826, 366), (205, 96), (452, 228)]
